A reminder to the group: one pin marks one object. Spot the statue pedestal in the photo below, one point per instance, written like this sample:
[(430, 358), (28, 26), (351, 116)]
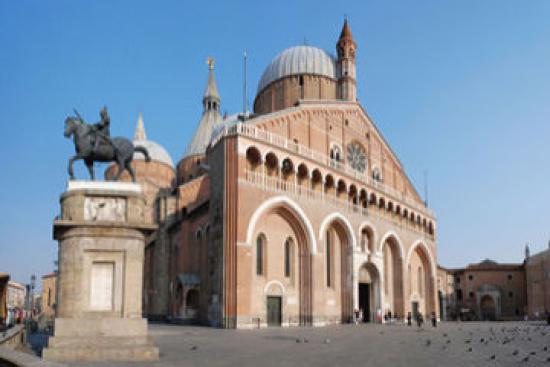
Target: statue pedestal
[(101, 234)]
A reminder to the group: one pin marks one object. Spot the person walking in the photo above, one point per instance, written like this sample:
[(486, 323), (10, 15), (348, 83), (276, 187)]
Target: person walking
[(409, 319), (434, 320), (419, 319)]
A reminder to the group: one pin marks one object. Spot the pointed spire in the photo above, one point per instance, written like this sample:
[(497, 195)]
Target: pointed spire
[(346, 32), (140, 129), (211, 91)]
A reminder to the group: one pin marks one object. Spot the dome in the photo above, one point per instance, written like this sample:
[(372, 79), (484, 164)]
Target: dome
[(299, 60), (156, 151)]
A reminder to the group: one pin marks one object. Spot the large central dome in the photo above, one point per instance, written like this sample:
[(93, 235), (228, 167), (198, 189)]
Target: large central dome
[(299, 60)]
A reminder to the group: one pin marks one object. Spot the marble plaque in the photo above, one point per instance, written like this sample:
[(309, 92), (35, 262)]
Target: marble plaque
[(105, 209)]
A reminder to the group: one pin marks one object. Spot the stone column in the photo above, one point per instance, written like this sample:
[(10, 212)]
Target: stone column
[(101, 234)]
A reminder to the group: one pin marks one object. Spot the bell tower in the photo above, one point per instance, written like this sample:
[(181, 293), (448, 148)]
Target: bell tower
[(345, 49)]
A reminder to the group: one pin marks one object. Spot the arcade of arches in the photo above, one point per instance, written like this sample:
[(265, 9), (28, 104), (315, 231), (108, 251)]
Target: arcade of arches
[(292, 278)]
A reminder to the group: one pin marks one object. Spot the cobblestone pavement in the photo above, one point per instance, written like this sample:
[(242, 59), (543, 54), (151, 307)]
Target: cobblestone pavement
[(450, 344)]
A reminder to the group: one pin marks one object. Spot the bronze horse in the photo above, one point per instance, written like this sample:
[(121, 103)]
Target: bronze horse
[(118, 149)]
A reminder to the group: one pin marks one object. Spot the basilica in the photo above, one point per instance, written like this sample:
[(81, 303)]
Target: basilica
[(298, 213)]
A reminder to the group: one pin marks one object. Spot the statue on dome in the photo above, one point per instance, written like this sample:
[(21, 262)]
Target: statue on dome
[(93, 143)]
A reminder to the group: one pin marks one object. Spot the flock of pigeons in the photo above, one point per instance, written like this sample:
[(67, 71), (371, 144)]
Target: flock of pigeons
[(523, 344)]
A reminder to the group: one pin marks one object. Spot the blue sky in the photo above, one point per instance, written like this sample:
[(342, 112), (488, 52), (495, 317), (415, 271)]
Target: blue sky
[(459, 88)]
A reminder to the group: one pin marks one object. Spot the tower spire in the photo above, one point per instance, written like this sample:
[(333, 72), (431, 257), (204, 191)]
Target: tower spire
[(140, 129), (345, 48), (211, 99)]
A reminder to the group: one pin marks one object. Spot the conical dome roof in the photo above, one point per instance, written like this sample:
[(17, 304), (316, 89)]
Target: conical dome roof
[(210, 119)]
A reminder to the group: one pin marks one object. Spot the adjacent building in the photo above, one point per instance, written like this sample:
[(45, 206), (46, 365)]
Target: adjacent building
[(487, 291), (4, 279), (537, 273), (48, 295)]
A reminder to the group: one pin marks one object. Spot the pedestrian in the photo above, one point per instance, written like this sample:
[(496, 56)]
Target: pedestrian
[(547, 317), (409, 319), (419, 319), (434, 320), (360, 316)]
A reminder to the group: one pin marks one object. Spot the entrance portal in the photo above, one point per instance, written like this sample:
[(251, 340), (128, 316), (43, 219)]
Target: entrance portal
[(274, 311), (415, 310), (364, 300), (487, 306)]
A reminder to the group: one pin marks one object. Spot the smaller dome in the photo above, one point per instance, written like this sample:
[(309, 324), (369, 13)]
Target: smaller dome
[(156, 152), (298, 60)]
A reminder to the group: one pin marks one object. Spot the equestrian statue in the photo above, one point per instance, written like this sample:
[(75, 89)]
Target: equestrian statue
[(93, 143)]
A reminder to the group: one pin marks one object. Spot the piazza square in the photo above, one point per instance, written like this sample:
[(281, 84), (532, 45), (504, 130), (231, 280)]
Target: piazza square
[(287, 232)]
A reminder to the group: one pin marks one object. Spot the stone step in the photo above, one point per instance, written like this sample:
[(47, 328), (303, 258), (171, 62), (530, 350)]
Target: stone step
[(105, 341), (93, 353)]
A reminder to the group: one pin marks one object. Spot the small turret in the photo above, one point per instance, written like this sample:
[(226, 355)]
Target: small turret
[(211, 116), (345, 49)]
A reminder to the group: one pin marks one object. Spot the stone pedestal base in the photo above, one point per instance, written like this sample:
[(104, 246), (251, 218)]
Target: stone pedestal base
[(106, 339), (101, 234)]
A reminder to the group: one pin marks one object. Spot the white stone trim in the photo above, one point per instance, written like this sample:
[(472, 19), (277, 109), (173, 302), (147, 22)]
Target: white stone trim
[(243, 244), (399, 242), (338, 216), (268, 284), (420, 242), (369, 224), (103, 185), (286, 201)]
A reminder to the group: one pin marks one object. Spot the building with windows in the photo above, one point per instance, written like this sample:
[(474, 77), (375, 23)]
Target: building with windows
[(298, 213), (486, 291), (48, 295)]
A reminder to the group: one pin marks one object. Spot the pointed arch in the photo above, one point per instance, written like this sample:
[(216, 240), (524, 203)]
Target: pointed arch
[(293, 207), (346, 224)]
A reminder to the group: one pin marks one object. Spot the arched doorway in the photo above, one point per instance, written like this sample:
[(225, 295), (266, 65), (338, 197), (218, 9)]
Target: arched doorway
[(192, 303), (337, 237), (393, 277), (421, 282), (368, 291), (488, 308), (282, 255)]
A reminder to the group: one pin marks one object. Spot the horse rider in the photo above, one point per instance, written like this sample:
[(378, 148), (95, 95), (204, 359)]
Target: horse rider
[(102, 131)]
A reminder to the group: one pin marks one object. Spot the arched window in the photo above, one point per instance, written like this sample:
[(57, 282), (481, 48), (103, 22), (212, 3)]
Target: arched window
[(289, 250), (260, 254), (420, 280), (335, 153), (329, 260)]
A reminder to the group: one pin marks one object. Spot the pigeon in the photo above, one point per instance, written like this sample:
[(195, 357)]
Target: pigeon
[(470, 349), (525, 359), (545, 348), (481, 340), (493, 356), (327, 341), (428, 342), (298, 340), (467, 342), (533, 353), (194, 347), (448, 342), (515, 352)]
